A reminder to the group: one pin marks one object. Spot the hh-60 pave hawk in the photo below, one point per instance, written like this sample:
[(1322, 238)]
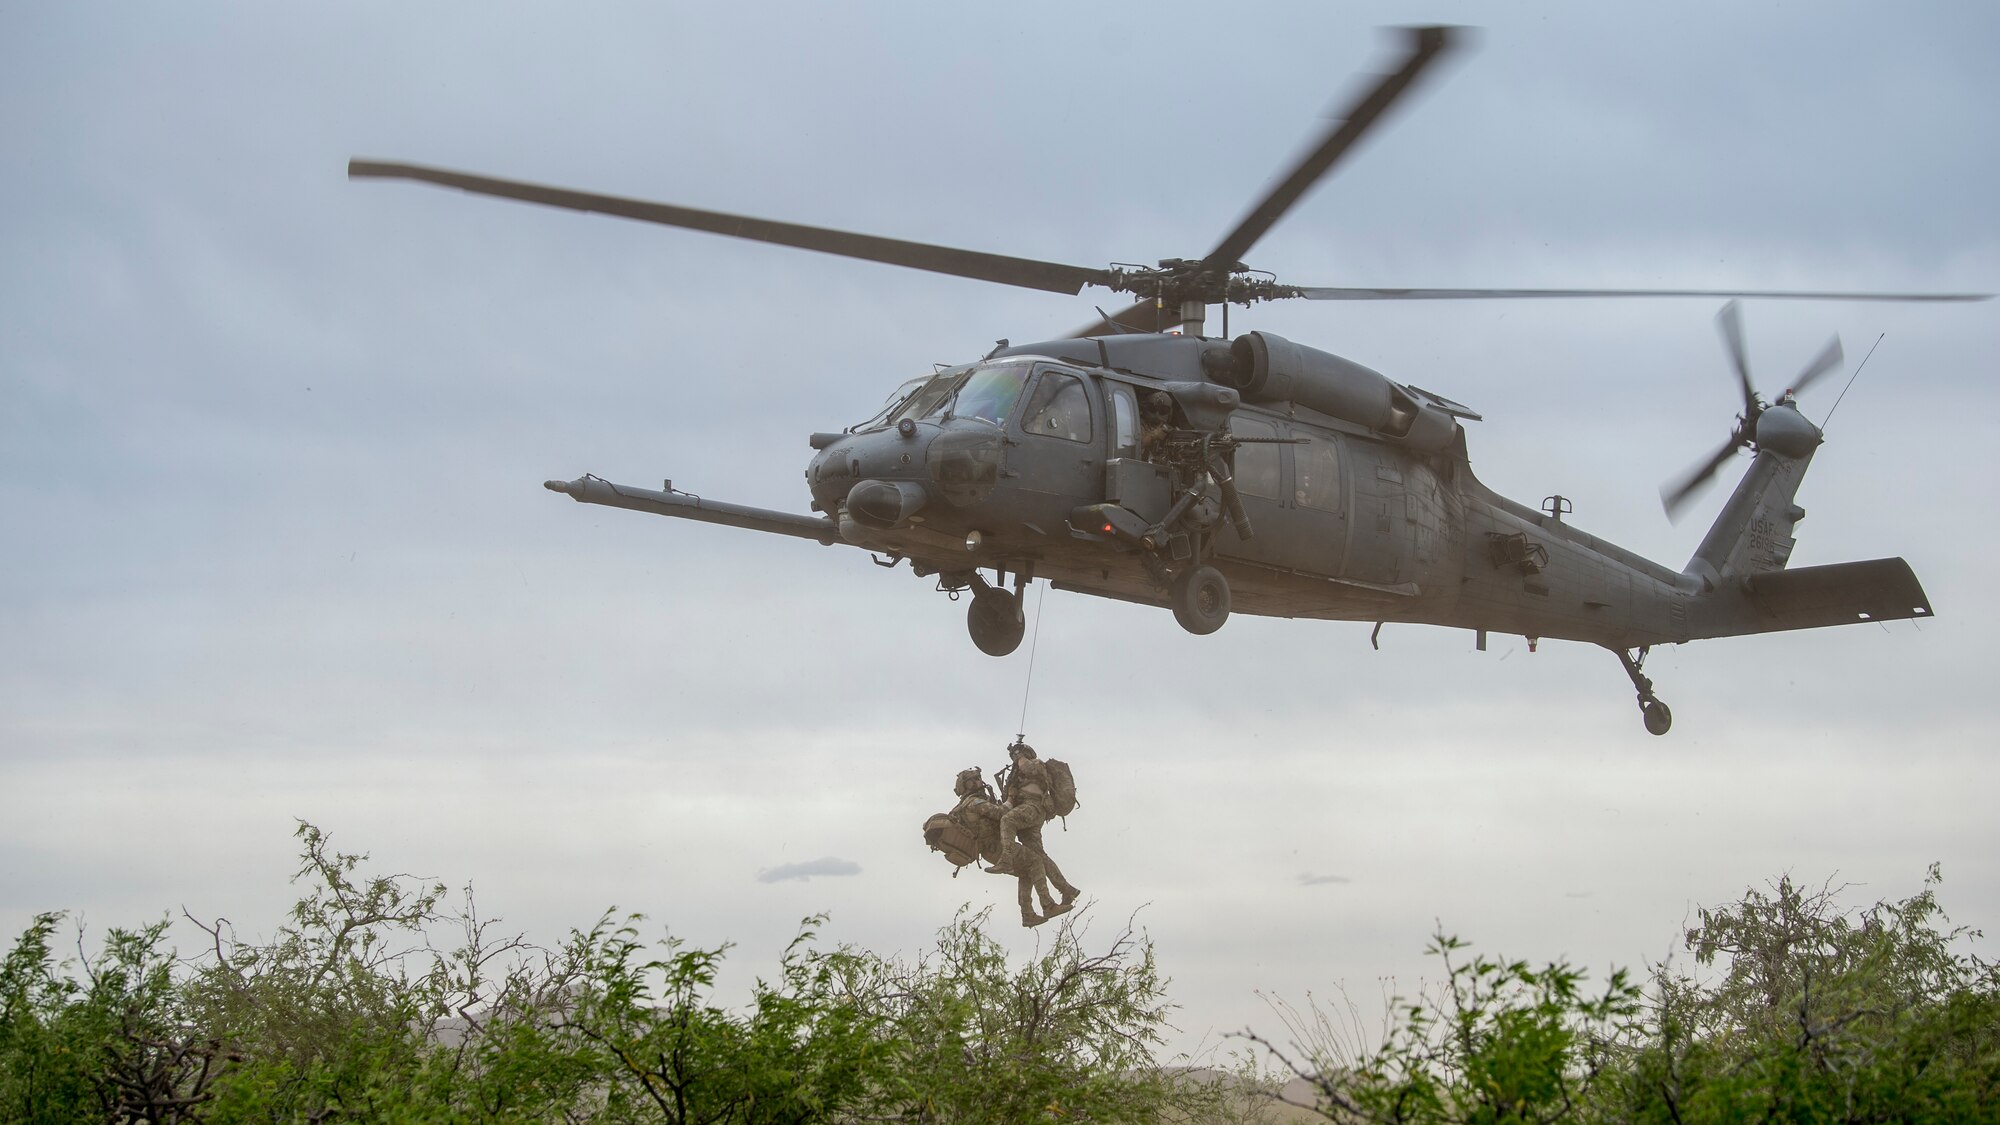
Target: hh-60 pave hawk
[(1140, 460)]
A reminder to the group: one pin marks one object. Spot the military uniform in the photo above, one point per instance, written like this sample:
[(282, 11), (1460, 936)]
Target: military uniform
[(981, 816), (1156, 416), (1028, 807)]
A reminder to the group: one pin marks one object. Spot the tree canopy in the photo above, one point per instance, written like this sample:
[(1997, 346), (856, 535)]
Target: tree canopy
[(382, 997)]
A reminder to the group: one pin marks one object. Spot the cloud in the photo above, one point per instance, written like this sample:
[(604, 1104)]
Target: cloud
[(1308, 879), (826, 865)]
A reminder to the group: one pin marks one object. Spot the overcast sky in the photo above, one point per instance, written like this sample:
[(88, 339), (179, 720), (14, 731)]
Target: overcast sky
[(271, 446)]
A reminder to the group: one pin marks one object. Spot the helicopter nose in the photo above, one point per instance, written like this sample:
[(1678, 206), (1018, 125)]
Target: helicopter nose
[(965, 462), (831, 474), (850, 460)]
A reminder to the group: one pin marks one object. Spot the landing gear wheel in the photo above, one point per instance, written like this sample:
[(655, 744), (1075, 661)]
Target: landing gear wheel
[(995, 621), (1659, 720), (1200, 598)]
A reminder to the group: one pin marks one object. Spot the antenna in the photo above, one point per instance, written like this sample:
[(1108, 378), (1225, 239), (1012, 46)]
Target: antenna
[(1851, 379)]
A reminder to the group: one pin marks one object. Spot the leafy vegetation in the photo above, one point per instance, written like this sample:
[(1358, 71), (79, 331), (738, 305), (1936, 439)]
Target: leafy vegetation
[(1796, 1009), (1790, 1008), (352, 1013)]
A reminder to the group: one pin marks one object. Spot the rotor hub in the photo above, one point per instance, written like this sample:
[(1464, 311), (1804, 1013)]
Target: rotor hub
[(1178, 280)]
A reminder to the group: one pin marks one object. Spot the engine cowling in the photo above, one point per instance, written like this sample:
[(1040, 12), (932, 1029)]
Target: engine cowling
[(1268, 368)]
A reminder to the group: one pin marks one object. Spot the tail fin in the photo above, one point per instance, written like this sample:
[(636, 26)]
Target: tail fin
[(1753, 535)]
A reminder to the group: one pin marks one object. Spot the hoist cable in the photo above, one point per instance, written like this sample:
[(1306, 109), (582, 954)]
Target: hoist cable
[(1034, 642)]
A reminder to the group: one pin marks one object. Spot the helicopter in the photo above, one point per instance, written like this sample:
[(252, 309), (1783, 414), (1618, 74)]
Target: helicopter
[(1138, 459)]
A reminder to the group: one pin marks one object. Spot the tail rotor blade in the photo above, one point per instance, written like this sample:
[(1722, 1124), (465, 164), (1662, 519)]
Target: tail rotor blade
[(1730, 320), (1827, 361), (1675, 497)]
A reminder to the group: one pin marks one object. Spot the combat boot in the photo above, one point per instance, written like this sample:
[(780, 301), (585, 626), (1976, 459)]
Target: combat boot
[(1026, 898), (1064, 886)]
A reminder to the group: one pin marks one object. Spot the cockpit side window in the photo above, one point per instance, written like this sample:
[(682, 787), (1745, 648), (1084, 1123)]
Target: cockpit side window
[(1060, 408)]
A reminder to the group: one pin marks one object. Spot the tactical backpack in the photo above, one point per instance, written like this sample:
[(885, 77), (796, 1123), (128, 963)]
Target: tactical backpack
[(946, 835), (1062, 787)]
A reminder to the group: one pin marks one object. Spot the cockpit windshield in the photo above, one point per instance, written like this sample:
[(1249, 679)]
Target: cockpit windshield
[(986, 393), (930, 398), (900, 396)]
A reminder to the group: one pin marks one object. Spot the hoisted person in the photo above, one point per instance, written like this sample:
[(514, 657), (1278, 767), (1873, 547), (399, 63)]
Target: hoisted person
[(1030, 800)]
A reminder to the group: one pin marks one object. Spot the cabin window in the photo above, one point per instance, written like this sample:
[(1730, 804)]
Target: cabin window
[(1060, 408), (1125, 415), (1257, 469), (1318, 466)]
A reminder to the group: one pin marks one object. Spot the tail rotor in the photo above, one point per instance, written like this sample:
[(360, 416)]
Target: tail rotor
[(1676, 494)]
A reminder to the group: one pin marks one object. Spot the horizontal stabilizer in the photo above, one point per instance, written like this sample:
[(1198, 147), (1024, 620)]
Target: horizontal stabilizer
[(1842, 594)]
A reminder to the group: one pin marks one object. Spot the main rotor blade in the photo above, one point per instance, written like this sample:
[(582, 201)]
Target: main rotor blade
[(1825, 362), (1355, 293), (1425, 45), (1145, 316), (1730, 320), (1023, 272), (1676, 497)]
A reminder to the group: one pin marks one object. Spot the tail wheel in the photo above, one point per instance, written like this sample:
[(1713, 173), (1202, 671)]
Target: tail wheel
[(1657, 717), (1659, 720), (1200, 598), (995, 621)]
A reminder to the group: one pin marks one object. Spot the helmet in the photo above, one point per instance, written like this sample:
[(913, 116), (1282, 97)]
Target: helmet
[(1020, 749), (968, 783)]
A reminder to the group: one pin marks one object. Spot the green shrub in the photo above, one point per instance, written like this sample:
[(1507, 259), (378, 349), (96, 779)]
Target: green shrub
[(356, 1011), (1796, 1009)]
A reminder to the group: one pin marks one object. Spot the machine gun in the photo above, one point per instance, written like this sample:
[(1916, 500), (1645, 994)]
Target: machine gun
[(1197, 458), (1200, 471)]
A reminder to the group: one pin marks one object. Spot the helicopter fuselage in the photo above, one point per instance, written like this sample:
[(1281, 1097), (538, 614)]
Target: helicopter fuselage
[(1301, 484), (1008, 464)]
